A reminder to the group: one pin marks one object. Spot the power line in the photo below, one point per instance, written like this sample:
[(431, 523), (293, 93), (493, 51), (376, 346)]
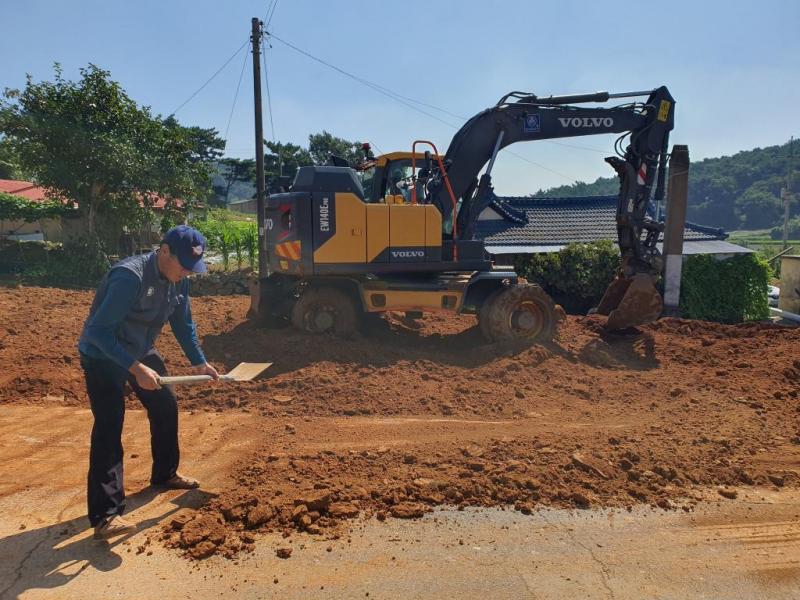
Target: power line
[(235, 97), (374, 86), (271, 13), (217, 72), (408, 102), (266, 80)]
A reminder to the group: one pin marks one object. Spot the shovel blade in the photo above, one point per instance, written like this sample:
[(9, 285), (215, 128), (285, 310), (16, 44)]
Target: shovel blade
[(246, 371), (631, 301)]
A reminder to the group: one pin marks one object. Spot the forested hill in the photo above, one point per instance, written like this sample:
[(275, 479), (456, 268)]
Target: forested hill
[(735, 192)]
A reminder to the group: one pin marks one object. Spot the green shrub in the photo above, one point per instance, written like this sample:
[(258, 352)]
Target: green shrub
[(227, 233), (726, 291), (794, 230), (79, 262), (16, 208), (251, 245), (576, 277)]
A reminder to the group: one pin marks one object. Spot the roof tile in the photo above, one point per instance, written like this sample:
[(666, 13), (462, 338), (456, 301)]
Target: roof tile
[(559, 221)]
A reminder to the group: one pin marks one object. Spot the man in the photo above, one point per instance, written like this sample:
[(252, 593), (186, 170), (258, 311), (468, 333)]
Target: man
[(134, 300)]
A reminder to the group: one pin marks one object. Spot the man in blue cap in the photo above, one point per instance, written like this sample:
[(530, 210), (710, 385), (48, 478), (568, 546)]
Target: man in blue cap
[(135, 299)]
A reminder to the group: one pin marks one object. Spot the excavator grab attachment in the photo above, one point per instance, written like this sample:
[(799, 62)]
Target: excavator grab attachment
[(630, 301)]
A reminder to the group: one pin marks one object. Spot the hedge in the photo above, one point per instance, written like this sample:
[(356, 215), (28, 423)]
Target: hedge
[(726, 291), (576, 277)]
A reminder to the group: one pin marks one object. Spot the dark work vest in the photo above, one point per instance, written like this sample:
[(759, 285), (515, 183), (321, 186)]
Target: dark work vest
[(155, 303)]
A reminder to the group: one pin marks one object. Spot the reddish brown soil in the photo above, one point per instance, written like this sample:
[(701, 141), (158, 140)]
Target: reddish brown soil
[(591, 419)]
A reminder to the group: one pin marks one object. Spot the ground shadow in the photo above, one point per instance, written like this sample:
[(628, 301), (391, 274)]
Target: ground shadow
[(379, 344), (46, 559), (632, 349)]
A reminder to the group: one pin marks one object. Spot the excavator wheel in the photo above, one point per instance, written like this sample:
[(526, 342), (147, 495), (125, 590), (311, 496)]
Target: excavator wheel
[(325, 309), (485, 310), (520, 312)]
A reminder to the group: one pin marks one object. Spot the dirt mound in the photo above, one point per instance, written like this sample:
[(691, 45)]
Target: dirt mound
[(317, 493), (416, 414), (435, 366)]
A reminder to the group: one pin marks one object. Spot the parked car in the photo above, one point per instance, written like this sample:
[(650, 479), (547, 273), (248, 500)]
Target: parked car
[(773, 293)]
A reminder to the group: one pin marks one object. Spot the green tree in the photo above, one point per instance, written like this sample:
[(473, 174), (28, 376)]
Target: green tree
[(322, 145), (760, 205), (284, 159), (87, 140), (234, 170), (739, 191), (9, 161)]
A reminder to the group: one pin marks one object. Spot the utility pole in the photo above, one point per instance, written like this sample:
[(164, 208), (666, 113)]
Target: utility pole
[(677, 198), (262, 239), (786, 195)]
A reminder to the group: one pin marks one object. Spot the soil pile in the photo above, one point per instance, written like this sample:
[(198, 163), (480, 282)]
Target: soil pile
[(416, 414)]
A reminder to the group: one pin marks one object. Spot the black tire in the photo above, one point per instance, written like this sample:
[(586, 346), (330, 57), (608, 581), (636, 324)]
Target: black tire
[(521, 312), (325, 310), (485, 310)]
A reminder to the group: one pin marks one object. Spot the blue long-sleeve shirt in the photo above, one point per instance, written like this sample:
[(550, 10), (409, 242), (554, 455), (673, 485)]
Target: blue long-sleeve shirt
[(115, 314)]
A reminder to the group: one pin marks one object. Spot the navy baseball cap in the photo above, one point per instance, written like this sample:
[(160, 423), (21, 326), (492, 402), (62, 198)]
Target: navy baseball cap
[(188, 245)]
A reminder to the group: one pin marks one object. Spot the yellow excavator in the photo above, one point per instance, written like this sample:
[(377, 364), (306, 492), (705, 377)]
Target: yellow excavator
[(398, 235)]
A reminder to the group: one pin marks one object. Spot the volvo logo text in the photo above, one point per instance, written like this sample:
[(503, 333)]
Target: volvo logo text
[(408, 253), (586, 121)]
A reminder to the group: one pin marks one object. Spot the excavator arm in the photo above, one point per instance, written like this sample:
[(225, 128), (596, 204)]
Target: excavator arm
[(631, 298)]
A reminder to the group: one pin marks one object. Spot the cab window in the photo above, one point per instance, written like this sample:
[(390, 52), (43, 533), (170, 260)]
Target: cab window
[(367, 178)]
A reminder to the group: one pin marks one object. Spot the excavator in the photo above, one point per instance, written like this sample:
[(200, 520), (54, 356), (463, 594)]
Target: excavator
[(400, 237)]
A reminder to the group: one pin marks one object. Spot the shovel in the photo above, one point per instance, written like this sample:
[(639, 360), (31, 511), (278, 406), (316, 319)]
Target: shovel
[(241, 372)]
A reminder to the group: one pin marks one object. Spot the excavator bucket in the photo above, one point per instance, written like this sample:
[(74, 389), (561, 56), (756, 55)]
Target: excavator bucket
[(631, 301)]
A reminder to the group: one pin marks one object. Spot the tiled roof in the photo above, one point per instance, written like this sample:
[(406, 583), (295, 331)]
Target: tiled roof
[(559, 221), (25, 189), (31, 191)]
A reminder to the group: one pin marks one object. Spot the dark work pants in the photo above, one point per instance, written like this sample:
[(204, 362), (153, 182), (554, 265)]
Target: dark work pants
[(105, 384)]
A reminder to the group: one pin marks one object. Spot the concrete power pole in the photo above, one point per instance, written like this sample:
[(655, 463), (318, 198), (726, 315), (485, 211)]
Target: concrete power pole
[(786, 195), (677, 198), (262, 245), (258, 291)]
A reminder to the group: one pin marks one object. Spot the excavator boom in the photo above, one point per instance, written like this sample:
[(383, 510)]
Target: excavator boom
[(632, 298)]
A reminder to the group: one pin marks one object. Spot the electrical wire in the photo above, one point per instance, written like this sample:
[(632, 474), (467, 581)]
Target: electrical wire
[(235, 97), (409, 102), (270, 14), (374, 86), (217, 72), (266, 81)]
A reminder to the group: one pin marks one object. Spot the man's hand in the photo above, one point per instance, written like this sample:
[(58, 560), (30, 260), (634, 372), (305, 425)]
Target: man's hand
[(146, 377), (205, 369)]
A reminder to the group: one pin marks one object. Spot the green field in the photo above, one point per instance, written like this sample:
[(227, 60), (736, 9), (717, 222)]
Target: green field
[(760, 240)]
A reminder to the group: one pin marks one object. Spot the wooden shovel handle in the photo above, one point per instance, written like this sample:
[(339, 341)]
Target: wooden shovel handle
[(178, 379)]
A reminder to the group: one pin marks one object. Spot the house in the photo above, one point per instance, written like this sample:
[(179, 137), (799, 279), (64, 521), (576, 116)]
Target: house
[(50, 229), (525, 225), (61, 229)]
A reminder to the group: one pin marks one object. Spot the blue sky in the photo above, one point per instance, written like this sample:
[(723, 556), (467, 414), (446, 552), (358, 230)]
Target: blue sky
[(733, 67)]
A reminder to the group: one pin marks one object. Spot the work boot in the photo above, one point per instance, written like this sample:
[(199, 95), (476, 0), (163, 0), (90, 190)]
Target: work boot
[(180, 482), (112, 527)]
